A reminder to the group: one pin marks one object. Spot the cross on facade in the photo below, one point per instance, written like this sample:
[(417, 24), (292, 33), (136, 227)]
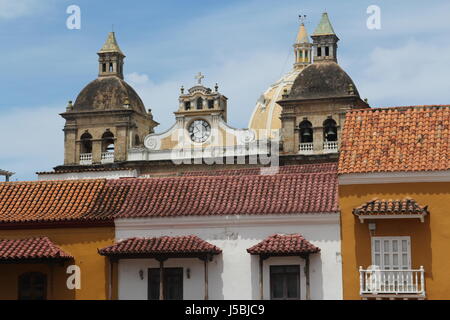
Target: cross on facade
[(199, 77)]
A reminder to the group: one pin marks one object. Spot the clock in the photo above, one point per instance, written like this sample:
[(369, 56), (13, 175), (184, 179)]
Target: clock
[(199, 131)]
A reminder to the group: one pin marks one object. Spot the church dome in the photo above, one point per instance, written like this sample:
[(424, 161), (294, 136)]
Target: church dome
[(322, 80), (108, 93), (266, 114)]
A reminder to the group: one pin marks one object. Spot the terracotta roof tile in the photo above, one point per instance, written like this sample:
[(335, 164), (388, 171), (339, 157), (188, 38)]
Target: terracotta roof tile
[(50, 201), (396, 139), (229, 195), (391, 207), (162, 245), (278, 244), (31, 248)]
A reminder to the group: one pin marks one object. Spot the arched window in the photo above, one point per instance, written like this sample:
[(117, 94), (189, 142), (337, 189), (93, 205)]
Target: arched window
[(137, 141), (108, 142), (111, 67), (330, 130), (187, 105), (104, 67), (32, 286), (306, 132), (199, 103), (86, 143), (210, 104)]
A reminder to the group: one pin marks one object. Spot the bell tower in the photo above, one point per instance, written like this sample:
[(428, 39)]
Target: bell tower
[(325, 41), (110, 58)]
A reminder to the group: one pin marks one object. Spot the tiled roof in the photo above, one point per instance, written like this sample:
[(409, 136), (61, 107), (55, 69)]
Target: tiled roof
[(279, 244), (229, 195), (50, 201), (162, 245), (102, 200), (31, 248), (391, 207), (396, 139), (307, 168)]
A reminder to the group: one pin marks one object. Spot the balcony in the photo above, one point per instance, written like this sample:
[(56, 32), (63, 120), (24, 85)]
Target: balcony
[(107, 157), (379, 283), (306, 148), (86, 158), (330, 147)]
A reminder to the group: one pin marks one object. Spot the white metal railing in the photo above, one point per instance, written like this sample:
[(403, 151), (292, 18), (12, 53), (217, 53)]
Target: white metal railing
[(306, 148), (85, 158), (330, 146), (379, 281), (107, 157)]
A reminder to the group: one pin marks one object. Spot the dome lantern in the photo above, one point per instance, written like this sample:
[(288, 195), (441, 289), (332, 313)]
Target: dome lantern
[(111, 58)]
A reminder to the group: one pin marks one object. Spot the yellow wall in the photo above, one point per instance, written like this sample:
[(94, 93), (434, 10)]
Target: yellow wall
[(82, 243), (430, 241)]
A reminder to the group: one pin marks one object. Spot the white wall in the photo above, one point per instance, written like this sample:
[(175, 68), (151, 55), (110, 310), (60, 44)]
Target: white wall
[(114, 174), (234, 274)]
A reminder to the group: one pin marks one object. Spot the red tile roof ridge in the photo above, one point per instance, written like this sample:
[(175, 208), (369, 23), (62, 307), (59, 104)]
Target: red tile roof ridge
[(25, 182), (372, 109)]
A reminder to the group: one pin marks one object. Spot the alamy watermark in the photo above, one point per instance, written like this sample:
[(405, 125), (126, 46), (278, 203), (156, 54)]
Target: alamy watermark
[(73, 22)]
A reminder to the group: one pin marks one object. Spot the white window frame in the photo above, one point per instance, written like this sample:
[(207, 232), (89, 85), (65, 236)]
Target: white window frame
[(389, 266)]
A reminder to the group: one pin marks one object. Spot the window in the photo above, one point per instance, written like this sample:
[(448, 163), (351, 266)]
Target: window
[(327, 51), (32, 286), (211, 104), (173, 284), (391, 253), (285, 282), (137, 141), (108, 142), (330, 130), (306, 132), (110, 67), (104, 67), (187, 105), (199, 103), (319, 51), (86, 143)]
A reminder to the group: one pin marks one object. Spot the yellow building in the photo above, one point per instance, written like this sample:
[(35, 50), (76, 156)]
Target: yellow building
[(50, 233), (394, 190)]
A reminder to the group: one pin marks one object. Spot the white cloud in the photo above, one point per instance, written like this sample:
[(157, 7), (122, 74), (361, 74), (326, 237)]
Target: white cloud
[(242, 80), (32, 140), (409, 74), (11, 9)]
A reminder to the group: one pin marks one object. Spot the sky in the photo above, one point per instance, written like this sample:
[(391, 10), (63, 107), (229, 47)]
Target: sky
[(243, 45)]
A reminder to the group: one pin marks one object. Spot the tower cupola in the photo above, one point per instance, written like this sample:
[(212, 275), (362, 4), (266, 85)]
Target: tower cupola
[(111, 58), (325, 41), (302, 48)]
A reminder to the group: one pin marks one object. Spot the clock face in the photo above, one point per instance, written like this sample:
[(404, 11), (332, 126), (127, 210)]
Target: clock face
[(199, 131)]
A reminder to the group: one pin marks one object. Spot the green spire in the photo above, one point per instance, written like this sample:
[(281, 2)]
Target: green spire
[(324, 27), (111, 45)]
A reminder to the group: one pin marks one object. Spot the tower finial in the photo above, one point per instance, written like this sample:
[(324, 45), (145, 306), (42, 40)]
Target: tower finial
[(302, 18)]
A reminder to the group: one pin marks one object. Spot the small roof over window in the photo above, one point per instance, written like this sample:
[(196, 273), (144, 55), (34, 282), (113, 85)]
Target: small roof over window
[(391, 209), (181, 246), (284, 245), (30, 249)]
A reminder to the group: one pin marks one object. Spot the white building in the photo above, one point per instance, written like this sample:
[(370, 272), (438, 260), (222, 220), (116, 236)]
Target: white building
[(198, 229)]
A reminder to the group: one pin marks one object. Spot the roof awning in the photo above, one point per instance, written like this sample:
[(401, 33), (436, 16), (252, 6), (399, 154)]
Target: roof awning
[(161, 248), (283, 245), (391, 209), (31, 250)]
